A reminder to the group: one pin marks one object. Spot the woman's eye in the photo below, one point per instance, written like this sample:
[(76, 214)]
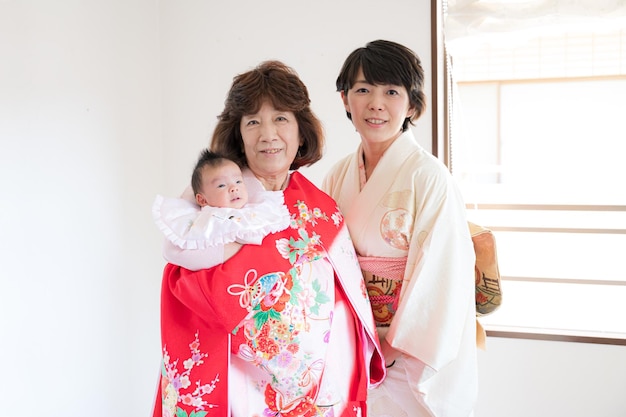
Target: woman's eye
[(251, 122), (281, 119)]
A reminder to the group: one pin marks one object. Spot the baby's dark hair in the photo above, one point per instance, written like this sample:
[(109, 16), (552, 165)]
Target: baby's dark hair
[(206, 158)]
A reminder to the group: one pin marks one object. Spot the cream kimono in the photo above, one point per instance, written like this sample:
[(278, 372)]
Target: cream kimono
[(408, 224)]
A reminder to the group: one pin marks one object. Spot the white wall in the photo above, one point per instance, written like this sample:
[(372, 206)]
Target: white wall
[(522, 378), (104, 104), (204, 47), (81, 158)]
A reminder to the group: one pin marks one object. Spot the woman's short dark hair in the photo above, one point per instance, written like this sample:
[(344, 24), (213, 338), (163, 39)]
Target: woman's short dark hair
[(386, 62), (280, 85)]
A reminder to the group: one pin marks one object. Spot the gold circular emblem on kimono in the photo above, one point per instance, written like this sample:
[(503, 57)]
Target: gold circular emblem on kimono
[(395, 228)]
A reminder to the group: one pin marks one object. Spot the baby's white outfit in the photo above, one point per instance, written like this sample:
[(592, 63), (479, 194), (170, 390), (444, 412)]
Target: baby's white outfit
[(188, 226)]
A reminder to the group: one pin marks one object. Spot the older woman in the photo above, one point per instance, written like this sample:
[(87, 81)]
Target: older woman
[(283, 328)]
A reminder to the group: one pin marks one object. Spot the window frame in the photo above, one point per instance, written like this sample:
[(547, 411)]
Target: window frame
[(441, 148)]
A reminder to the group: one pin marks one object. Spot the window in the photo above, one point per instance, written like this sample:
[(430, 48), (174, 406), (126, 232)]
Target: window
[(537, 134)]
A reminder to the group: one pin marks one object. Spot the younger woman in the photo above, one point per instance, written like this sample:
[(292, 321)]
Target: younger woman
[(407, 220)]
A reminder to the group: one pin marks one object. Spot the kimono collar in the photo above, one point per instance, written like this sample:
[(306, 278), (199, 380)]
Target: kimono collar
[(395, 155)]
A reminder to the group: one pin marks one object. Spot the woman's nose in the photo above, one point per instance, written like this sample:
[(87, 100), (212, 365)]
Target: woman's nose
[(268, 131), (376, 102), (376, 105)]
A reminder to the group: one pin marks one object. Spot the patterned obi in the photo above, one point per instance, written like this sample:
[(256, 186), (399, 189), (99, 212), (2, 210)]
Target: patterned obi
[(383, 279)]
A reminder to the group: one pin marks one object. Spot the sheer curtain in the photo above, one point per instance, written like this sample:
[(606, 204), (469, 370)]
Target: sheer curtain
[(478, 20)]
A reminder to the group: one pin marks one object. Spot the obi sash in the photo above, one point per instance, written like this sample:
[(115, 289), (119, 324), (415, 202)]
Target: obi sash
[(383, 279)]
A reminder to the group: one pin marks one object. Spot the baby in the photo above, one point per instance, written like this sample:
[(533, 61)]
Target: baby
[(218, 182), (221, 213)]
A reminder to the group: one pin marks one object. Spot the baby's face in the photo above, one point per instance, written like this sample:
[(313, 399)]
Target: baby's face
[(222, 186)]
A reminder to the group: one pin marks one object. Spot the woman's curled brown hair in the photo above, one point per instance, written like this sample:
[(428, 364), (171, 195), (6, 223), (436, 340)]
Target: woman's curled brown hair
[(280, 85)]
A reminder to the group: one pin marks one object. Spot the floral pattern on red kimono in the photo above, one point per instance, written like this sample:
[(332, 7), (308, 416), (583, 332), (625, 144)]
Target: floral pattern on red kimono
[(269, 311)]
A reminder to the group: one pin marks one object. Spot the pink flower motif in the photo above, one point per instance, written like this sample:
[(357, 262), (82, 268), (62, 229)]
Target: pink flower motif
[(315, 239), (282, 245), (198, 402), (171, 372), (185, 382), (284, 359), (206, 389), (172, 382), (188, 364), (307, 297), (186, 399)]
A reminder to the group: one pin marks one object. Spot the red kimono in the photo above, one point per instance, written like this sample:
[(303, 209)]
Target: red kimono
[(281, 329)]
